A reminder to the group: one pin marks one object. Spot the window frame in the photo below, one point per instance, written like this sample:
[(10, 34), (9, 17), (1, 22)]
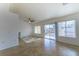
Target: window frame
[(37, 30)]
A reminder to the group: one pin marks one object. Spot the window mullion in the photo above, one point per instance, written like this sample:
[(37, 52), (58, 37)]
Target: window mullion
[(65, 29)]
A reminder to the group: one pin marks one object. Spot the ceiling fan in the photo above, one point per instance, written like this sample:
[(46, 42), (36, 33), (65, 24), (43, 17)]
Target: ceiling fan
[(29, 20)]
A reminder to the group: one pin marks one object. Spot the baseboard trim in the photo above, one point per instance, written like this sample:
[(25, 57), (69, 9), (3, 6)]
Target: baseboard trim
[(67, 43), (10, 47)]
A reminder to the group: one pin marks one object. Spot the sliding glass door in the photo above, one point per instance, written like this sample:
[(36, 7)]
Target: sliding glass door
[(60, 29), (50, 31)]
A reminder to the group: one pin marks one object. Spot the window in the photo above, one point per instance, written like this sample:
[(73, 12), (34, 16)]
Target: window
[(37, 30), (70, 29), (67, 28), (61, 29)]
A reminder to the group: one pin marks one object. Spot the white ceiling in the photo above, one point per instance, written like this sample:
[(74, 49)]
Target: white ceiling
[(43, 11)]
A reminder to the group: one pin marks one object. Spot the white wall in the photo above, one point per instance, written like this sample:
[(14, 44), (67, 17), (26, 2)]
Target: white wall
[(8, 30), (10, 25), (25, 28), (74, 41)]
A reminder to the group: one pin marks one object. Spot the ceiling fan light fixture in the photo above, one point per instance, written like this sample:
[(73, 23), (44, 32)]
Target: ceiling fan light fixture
[(29, 22)]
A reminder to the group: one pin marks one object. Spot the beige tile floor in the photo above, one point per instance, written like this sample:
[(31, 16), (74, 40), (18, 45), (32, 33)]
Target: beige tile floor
[(42, 47)]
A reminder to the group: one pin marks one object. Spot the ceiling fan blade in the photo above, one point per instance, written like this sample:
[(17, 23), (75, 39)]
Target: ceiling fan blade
[(31, 20)]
